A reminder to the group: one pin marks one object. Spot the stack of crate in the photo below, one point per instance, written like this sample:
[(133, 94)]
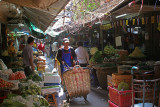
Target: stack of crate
[(119, 98)]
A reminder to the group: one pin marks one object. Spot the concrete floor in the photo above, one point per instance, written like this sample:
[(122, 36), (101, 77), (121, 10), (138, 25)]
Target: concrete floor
[(96, 98)]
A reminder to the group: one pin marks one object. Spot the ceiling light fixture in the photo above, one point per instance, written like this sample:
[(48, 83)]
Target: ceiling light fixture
[(121, 15)]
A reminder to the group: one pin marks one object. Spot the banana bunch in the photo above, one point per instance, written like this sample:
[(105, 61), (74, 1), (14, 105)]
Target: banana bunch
[(109, 50)]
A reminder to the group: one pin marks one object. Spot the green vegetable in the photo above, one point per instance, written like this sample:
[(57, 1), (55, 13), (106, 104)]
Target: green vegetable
[(98, 57), (11, 95), (109, 50), (91, 60), (34, 77), (123, 86), (11, 103)]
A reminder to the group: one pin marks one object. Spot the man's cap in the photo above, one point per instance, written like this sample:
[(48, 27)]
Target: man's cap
[(65, 40)]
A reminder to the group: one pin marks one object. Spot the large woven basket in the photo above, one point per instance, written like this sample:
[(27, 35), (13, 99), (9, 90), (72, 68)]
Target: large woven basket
[(77, 82), (102, 73)]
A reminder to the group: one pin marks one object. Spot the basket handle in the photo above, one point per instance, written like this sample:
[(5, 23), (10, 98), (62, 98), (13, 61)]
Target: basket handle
[(77, 66)]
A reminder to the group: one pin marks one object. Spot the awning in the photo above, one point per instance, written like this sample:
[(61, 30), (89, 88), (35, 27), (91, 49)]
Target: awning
[(40, 4), (40, 12)]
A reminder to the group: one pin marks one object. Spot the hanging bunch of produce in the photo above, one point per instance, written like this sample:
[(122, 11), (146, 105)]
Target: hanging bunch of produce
[(110, 53)]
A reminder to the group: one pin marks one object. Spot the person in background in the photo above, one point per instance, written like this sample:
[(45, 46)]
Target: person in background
[(82, 55), (55, 48), (41, 47), (27, 55), (66, 55), (11, 49)]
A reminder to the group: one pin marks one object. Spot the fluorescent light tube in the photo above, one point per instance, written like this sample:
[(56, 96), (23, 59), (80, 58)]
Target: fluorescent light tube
[(121, 15)]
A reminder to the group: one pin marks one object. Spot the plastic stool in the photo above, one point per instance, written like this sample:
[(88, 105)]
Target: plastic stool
[(54, 99)]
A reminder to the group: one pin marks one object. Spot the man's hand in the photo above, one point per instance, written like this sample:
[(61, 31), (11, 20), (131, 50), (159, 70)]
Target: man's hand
[(63, 62)]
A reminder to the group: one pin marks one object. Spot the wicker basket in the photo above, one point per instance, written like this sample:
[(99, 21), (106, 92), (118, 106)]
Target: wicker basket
[(77, 82), (102, 73), (124, 69)]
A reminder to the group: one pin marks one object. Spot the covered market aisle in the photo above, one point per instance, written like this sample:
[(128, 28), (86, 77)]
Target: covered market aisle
[(119, 41), (97, 97)]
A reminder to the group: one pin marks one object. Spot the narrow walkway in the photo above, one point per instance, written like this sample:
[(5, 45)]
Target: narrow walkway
[(96, 98)]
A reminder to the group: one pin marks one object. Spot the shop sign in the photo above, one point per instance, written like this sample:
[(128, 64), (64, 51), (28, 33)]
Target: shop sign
[(106, 27)]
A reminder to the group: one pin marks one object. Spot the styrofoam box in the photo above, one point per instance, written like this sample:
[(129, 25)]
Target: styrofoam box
[(51, 78)]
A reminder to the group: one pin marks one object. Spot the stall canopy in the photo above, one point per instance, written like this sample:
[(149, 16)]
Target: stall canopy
[(40, 12), (39, 4)]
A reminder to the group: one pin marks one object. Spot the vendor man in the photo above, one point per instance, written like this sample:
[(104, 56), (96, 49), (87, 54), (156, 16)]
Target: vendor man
[(66, 55), (27, 55)]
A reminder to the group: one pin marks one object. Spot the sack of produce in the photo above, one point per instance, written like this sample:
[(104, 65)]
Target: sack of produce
[(137, 53)]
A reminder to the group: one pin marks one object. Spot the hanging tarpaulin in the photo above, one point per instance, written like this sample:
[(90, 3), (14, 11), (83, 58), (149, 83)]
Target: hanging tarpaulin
[(38, 33), (33, 3)]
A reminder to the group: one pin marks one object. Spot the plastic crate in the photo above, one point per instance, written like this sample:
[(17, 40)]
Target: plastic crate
[(120, 98), (111, 104)]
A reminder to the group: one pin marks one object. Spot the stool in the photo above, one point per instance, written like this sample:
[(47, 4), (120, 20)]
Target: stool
[(53, 97)]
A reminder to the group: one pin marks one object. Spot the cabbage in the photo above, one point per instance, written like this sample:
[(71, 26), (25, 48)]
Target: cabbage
[(98, 57), (93, 50), (123, 86)]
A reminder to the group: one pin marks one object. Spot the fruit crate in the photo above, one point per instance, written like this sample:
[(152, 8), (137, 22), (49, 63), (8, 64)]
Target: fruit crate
[(120, 98), (118, 78), (111, 104), (109, 80)]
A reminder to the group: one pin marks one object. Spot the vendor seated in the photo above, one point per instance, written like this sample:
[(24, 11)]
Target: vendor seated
[(11, 49)]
